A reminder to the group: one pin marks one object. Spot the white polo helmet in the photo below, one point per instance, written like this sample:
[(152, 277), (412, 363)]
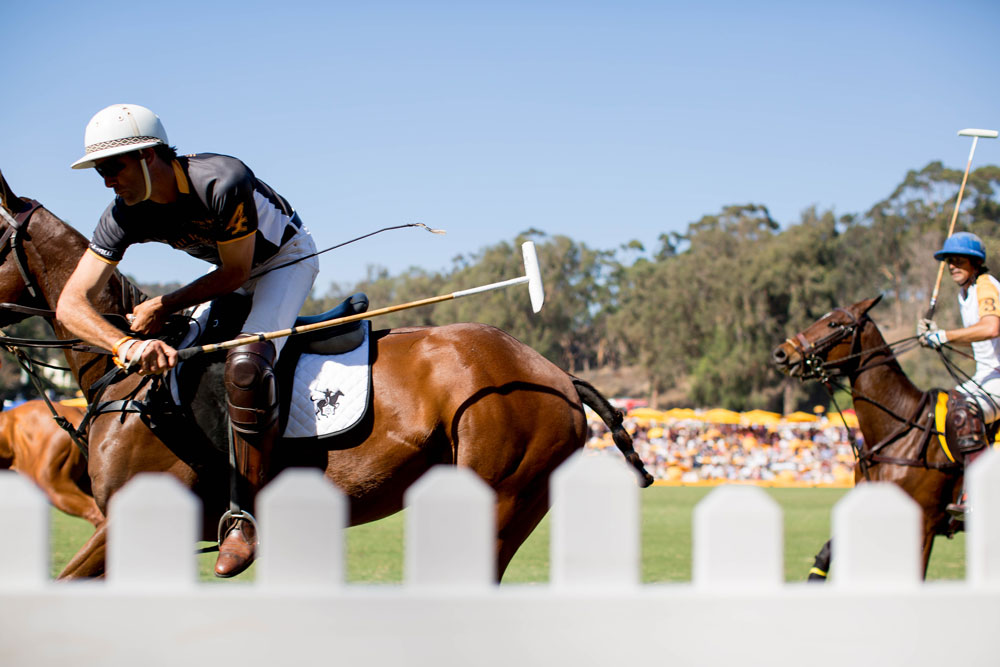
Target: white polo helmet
[(120, 128)]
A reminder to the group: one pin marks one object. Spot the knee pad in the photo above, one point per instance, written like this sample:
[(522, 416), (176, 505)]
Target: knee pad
[(251, 387), (964, 424)]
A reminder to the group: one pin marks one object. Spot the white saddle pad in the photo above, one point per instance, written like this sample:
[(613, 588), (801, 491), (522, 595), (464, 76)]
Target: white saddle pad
[(330, 393)]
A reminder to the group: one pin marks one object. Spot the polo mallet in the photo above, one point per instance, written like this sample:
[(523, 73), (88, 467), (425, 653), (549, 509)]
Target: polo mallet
[(975, 134), (532, 276)]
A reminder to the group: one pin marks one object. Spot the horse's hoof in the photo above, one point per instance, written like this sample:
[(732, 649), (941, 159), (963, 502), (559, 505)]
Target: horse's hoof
[(236, 553)]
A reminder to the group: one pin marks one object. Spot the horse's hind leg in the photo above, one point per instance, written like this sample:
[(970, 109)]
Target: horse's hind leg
[(821, 566), (89, 560), (58, 478), (67, 497), (518, 513)]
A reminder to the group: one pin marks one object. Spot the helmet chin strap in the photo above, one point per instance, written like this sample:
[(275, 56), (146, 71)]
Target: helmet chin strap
[(145, 175)]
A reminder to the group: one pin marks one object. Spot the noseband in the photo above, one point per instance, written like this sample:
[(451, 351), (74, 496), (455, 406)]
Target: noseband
[(814, 364)]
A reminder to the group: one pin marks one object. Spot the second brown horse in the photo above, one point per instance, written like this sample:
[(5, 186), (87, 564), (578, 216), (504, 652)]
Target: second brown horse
[(897, 419), (33, 444)]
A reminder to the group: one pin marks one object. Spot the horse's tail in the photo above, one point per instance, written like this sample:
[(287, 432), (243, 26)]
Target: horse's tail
[(613, 419)]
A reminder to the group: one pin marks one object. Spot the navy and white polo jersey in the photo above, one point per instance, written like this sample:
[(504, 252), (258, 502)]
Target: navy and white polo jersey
[(220, 201)]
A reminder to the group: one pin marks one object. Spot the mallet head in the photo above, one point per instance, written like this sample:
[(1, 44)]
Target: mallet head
[(972, 132), (535, 288)]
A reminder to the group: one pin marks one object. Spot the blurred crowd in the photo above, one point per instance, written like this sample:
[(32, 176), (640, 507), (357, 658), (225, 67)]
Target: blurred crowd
[(690, 451)]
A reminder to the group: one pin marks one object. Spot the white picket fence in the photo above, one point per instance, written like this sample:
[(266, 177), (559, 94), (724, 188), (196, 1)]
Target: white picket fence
[(737, 610)]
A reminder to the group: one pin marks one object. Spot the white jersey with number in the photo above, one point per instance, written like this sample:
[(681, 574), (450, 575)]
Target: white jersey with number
[(982, 299)]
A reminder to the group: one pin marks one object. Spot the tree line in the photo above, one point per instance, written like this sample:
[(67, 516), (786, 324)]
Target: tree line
[(693, 321)]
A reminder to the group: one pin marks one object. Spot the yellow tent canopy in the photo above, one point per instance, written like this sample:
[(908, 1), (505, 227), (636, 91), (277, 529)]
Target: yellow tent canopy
[(801, 417), (760, 417), (645, 413), (680, 413), (848, 419), (720, 416)]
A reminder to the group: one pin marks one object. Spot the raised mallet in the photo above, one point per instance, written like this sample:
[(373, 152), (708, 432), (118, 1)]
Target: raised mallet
[(532, 276), (975, 134)]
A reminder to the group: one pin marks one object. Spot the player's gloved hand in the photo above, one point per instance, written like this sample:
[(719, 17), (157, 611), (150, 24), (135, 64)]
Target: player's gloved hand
[(934, 339), (924, 325)]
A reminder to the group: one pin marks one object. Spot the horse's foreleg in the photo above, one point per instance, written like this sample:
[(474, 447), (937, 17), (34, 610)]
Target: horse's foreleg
[(821, 565), (929, 534), (89, 560)]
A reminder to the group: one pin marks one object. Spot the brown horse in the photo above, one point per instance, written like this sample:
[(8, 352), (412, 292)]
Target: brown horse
[(897, 419), (33, 444), (463, 394)]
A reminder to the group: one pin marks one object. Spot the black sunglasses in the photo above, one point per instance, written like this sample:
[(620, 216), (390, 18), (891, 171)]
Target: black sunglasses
[(109, 168)]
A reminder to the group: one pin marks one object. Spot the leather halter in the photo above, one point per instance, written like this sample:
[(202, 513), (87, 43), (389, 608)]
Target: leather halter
[(11, 241), (814, 366)]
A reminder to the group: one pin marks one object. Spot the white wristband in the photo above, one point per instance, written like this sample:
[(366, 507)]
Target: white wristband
[(138, 354), (123, 351)]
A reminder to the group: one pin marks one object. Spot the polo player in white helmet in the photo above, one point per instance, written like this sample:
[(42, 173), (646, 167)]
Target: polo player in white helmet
[(214, 208), (974, 403)]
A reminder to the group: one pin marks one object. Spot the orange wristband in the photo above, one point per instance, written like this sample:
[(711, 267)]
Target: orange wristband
[(114, 348)]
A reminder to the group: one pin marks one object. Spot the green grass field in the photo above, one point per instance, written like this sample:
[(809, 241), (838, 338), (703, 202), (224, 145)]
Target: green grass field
[(375, 551)]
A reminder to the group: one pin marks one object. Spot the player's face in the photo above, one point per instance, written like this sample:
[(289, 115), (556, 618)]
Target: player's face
[(123, 174), (960, 269)]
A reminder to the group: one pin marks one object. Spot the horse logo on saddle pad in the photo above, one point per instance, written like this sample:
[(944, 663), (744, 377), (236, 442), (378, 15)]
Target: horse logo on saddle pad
[(328, 400)]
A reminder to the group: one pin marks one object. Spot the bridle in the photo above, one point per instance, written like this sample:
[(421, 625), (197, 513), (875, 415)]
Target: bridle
[(814, 364), (10, 241)]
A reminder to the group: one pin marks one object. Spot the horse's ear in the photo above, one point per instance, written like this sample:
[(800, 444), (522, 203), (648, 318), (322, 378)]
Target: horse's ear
[(10, 201), (863, 307)]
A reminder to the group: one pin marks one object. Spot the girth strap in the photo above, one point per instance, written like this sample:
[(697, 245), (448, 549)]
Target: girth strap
[(127, 405)]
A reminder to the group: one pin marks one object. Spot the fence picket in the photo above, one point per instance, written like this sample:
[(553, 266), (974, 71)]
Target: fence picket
[(982, 543), (738, 539), (153, 525), (876, 533), (302, 517), (450, 534), (24, 525), (595, 523)]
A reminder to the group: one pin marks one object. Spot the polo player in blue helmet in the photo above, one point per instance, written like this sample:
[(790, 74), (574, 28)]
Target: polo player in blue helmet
[(974, 403)]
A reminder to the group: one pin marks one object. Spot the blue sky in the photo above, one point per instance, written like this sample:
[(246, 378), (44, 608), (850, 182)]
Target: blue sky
[(603, 121)]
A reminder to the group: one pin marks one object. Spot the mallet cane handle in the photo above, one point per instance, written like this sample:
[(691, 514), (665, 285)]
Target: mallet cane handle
[(951, 229)]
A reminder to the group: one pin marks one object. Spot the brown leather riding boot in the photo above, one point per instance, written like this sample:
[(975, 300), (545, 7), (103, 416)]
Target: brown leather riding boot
[(253, 416)]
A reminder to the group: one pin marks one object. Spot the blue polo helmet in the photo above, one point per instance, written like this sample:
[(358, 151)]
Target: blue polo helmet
[(962, 243)]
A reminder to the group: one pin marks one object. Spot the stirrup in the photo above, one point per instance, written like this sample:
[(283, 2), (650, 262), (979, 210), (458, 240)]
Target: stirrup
[(230, 518), (957, 511)]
